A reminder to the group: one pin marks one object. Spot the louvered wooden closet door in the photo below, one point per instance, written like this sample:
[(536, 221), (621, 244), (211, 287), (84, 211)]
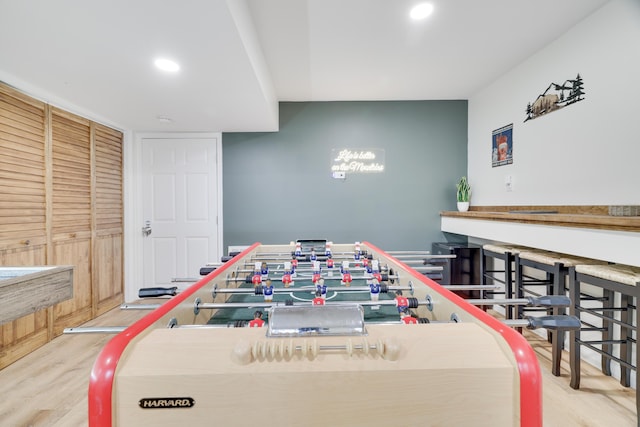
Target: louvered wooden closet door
[(71, 212), (108, 208), (22, 209), (60, 204)]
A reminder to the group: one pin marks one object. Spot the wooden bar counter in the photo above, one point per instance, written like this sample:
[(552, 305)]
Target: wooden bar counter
[(587, 231)]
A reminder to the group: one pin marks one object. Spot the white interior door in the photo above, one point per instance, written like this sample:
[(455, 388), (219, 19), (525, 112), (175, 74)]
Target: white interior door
[(179, 209)]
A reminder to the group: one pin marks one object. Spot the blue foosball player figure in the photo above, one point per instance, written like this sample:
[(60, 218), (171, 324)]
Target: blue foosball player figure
[(374, 289), (327, 250), (321, 288), (267, 291)]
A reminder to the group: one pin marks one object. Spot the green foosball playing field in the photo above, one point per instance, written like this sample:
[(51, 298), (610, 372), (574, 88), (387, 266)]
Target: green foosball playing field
[(303, 293)]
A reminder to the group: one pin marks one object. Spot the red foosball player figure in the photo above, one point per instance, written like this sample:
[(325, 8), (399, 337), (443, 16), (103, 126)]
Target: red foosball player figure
[(401, 302), (256, 280), (257, 321), (407, 318), (330, 267), (290, 271), (346, 278), (318, 300), (286, 280), (316, 272)]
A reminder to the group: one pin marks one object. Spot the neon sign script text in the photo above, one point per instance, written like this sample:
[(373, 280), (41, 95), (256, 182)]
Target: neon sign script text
[(357, 161)]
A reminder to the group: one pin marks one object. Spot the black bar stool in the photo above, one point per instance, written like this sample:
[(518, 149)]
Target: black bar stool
[(556, 269), (616, 281), (491, 274)]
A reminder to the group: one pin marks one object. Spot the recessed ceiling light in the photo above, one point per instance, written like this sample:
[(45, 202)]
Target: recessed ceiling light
[(167, 65), (421, 11)]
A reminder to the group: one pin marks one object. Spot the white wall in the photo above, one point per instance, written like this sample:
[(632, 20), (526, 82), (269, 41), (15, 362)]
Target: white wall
[(585, 154)]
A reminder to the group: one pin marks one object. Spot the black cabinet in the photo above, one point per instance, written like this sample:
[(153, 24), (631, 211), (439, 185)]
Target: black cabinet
[(464, 269)]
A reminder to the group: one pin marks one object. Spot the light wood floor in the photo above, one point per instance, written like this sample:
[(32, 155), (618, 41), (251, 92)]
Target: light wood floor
[(49, 386)]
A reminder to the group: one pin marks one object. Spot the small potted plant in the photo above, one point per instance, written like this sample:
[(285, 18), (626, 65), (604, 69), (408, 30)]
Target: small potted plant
[(463, 193)]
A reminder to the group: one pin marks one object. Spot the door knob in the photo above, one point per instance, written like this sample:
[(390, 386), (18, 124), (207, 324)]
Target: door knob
[(146, 230)]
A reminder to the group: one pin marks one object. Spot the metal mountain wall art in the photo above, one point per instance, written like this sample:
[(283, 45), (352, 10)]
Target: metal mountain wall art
[(555, 97)]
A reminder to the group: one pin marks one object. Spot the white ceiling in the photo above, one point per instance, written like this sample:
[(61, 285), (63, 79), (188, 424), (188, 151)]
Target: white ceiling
[(240, 58)]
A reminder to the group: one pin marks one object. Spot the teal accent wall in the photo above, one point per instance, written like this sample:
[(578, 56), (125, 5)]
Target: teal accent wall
[(278, 187)]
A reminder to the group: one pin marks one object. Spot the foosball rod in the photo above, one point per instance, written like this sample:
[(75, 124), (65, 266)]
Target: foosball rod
[(409, 258), (422, 257), (555, 301), (308, 251), (305, 257), (408, 252), (195, 279), (544, 301), (248, 279), (279, 268), (420, 262), (552, 322), (163, 292), (309, 288), (95, 330), (326, 277), (335, 269), (217, 290), (301, 263)]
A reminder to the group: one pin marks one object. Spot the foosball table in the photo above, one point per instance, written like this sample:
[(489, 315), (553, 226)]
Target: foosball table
[(341, 335)]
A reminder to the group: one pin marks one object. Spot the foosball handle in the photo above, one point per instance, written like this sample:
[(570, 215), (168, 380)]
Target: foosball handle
[(206, 270), (559, 322), (550, 301), (157, 292)]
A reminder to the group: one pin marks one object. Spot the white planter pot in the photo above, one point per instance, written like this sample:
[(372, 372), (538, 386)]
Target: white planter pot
[(463, 206)]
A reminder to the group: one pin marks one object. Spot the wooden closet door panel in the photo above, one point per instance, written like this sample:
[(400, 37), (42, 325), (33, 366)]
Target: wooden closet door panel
[(23, 210), (108, 210), (22, 170), (77, 310), (71, 213), (108, 284), (108, 180), (71, 176)]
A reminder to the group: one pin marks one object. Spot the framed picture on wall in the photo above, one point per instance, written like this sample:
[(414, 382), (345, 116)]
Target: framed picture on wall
[(502, 146)]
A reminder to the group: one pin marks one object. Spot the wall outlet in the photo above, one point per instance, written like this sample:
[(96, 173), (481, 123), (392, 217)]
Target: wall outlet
[(340, 175), (508, 183)]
